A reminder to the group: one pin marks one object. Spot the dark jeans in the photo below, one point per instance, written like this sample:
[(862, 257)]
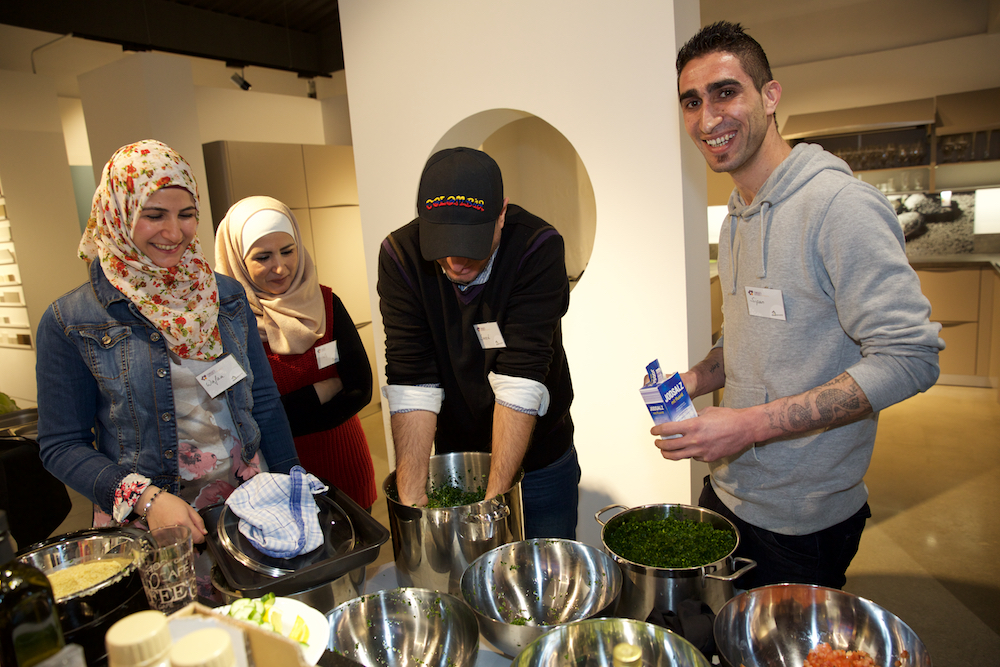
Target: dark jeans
[(819, 558), (550, 497)]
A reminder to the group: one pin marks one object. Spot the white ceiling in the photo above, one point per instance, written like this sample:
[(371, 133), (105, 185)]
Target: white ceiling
[(791, 31)]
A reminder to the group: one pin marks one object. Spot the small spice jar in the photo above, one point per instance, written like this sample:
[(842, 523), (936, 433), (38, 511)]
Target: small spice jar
[(141, 639)]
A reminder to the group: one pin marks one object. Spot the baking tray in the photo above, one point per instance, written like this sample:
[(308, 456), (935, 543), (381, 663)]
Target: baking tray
[(369, 536), (338, 540)]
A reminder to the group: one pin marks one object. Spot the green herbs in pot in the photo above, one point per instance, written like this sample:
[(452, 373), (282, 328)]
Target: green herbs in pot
[(447, 495), (670, 542), (450, 495)]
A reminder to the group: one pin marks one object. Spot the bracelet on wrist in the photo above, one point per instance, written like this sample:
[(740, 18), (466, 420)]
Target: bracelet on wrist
[(149, 503)]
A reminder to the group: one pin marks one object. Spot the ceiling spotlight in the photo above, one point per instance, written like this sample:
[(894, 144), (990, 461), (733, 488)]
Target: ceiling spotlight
[(240, 81)]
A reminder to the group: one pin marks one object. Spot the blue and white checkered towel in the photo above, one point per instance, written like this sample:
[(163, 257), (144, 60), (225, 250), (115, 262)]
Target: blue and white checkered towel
[(278, 513)]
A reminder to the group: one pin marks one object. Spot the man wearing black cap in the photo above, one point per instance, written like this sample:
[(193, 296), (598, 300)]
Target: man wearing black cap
[(472, 293)]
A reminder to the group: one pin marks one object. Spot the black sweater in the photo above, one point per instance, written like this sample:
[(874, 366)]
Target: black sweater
[(430, 337)]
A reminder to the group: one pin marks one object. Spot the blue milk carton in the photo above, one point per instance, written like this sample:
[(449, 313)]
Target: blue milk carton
[(666, 398)]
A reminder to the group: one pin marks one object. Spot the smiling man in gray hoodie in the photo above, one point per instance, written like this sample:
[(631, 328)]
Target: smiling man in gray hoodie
[(824, 325)]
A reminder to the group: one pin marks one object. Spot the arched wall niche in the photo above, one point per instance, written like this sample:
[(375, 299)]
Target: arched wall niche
[(542, 172)]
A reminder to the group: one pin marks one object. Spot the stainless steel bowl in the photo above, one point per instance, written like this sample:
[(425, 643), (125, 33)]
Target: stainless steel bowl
[(592, 643), (522, 590), (406, 626), (778, 626)]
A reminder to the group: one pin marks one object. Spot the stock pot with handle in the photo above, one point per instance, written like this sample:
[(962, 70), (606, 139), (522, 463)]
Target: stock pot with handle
[(647, 588)]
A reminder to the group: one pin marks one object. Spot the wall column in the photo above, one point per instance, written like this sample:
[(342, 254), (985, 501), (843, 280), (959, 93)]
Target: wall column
[(439, 73), (38, 196), (147, 96)]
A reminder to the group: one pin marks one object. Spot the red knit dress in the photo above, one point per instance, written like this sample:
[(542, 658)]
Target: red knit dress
[(339, 455)]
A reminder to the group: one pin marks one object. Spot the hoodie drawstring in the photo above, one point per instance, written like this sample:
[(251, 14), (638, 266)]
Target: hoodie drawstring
[(733, 222), (765, 229)]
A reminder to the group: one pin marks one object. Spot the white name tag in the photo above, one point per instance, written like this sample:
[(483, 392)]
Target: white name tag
[(327, 355), (764, 302), (222, 376), (489, 335)]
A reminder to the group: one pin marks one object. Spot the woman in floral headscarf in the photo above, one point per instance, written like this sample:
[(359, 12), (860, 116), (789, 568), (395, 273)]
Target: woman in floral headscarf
[(154, 394)]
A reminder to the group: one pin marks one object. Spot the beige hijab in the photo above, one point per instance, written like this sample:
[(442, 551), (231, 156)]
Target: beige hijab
[(292, 322)]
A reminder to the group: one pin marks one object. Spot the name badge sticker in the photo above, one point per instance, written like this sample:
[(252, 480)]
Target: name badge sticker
[(764, 302), (222, 376), (489, 335), (327, 355)]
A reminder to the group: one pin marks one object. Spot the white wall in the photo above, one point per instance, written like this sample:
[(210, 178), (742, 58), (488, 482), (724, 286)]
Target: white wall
[(444, 72), (38, 190), (543, 173), (238, 115)]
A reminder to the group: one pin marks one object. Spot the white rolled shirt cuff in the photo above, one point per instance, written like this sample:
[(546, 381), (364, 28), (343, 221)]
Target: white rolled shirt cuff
[(521, 394), (407, 398)]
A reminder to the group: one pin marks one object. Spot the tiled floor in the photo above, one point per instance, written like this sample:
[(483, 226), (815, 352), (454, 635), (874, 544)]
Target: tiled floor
[(929, 553)]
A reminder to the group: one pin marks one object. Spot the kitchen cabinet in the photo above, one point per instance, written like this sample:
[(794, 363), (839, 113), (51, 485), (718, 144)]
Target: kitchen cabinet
[(948, 142), (962, 301)]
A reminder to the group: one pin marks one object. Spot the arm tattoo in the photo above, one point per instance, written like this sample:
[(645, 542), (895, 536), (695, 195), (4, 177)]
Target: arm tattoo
[(837, 402)]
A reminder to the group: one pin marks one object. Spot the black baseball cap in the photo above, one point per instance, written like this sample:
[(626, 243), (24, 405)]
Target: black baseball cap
[(458, 202)]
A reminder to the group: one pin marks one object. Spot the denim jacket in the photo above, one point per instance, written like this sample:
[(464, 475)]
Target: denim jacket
[(103, 372)]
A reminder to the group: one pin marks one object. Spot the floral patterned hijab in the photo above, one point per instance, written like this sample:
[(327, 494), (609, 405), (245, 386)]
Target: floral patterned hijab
[(182, 301)]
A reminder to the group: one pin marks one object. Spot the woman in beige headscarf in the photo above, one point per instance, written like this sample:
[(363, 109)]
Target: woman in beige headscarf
[(314, 349)]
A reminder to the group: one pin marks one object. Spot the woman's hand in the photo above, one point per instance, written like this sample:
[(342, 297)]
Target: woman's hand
[(327, 389), (169, 510)]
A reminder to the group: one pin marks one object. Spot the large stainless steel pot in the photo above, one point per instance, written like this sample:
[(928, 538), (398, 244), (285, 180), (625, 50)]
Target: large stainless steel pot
[(647, 588), (87, 615), (432, 546)]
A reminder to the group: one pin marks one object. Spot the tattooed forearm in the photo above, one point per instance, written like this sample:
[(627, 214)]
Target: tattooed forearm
[(708, 374), (837, 402)]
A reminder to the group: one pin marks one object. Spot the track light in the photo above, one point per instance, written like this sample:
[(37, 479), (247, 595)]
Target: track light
[(240, 81)]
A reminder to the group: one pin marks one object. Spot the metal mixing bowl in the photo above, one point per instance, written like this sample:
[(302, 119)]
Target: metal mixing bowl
[(520, 591), (778, 626), (591, 643), (405, 626)]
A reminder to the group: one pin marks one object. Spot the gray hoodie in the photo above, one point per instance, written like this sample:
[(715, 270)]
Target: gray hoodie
[(834, 248)]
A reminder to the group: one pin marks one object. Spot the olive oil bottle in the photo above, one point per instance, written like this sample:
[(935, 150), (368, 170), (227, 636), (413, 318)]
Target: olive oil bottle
[(29, 621)]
